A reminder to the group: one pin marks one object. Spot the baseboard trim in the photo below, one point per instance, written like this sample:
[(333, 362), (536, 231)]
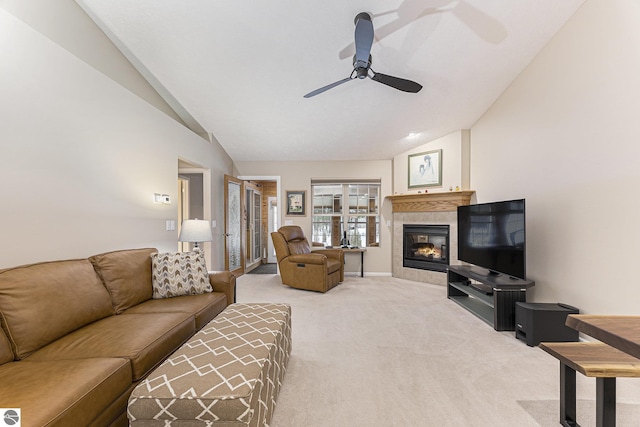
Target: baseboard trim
[(370, 274)]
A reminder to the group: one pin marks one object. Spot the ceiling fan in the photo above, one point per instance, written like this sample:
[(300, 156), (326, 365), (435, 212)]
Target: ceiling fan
[(362, 62)]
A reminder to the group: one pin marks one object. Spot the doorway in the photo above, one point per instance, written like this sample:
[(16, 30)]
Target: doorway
[(250, 216), (233, 226), (253, 224), (194, 200), (183, 208)]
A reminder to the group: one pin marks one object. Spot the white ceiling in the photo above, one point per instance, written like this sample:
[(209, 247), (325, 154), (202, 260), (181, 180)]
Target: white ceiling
[(240, 69)]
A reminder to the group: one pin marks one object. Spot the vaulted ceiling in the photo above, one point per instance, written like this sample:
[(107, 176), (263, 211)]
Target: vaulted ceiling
[(239, 70)]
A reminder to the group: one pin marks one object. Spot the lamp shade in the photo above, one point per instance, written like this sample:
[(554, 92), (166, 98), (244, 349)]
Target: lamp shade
[(195, 230)]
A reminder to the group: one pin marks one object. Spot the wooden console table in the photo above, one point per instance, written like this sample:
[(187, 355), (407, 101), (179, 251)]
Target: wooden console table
[(591, 359), (615, 356), (621, 332)]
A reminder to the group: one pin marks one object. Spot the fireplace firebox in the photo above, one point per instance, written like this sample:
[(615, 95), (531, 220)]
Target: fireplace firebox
[(426, 246)]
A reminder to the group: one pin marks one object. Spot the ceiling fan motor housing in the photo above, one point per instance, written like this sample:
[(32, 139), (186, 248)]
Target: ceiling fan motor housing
[(362, 15), (361, 68)]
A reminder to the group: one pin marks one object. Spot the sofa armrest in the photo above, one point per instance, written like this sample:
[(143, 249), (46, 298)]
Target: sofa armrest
[(225, 282), (312, 258)]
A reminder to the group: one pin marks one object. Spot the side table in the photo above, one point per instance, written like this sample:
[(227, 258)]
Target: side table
[(361, 251)]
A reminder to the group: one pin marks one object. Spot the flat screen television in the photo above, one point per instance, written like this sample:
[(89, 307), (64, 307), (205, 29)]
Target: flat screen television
[(492, 236)]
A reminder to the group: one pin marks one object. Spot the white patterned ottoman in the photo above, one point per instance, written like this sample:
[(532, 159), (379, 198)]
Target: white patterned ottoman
[(228, 374)]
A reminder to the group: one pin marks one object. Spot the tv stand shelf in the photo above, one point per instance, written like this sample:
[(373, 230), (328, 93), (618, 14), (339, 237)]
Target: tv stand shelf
[(491, 297)]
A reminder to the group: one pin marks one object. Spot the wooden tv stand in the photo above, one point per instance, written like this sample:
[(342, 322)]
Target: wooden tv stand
[(469, 286)]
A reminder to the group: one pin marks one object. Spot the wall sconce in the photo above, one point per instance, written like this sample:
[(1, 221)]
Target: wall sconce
[(161, 198)]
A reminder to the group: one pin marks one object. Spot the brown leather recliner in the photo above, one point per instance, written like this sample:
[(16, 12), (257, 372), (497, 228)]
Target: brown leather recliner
[(300, 268)]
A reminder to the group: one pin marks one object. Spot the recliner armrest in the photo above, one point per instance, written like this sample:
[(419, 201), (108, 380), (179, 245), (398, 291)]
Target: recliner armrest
[(312, 258), (331, 253)]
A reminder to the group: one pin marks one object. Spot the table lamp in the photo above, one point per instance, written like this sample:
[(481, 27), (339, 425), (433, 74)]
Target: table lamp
[(195, 230)]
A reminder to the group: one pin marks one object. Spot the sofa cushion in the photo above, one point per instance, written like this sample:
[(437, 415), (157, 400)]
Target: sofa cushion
[(6, 354), (204, 307), (63, 392), (126, 275), (40, 303), (144, 339), (179, 273)]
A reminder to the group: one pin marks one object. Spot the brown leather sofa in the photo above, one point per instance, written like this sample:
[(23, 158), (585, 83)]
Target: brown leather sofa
[(301, 268), (78, 335)]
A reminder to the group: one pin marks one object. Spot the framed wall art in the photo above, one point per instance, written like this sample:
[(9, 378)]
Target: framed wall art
[(296, 202), (425, 169)]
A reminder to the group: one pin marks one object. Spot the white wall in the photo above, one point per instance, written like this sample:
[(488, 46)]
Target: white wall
[(66, 24), (298, 175), (565, 136), (81, 157), (455, 169)]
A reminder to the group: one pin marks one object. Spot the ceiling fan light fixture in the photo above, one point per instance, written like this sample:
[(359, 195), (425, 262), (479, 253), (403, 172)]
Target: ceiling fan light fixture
[(363, 73)]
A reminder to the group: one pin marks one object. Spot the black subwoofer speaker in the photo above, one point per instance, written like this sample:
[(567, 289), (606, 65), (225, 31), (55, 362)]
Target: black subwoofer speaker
[(537, 322)]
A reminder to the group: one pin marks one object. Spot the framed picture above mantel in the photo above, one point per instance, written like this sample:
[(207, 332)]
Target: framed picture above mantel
[(296, 203), (425, 169)]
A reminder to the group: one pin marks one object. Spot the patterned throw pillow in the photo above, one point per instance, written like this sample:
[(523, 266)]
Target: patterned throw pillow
[(179, 273)]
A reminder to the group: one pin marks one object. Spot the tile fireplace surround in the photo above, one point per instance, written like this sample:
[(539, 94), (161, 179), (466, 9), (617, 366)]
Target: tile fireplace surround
[(432, 209)]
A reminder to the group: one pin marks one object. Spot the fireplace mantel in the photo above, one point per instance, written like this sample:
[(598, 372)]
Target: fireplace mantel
[(430, 202)]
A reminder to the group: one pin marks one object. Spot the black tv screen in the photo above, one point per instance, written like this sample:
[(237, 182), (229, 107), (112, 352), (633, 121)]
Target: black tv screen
[(492, 236)]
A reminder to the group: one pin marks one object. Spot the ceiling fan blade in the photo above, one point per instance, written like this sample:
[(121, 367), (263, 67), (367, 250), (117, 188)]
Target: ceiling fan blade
[(327, 87), (397, 83), (363, 37)]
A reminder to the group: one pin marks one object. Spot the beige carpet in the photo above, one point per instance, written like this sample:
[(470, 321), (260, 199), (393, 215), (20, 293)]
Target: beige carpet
[(379, 351)]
